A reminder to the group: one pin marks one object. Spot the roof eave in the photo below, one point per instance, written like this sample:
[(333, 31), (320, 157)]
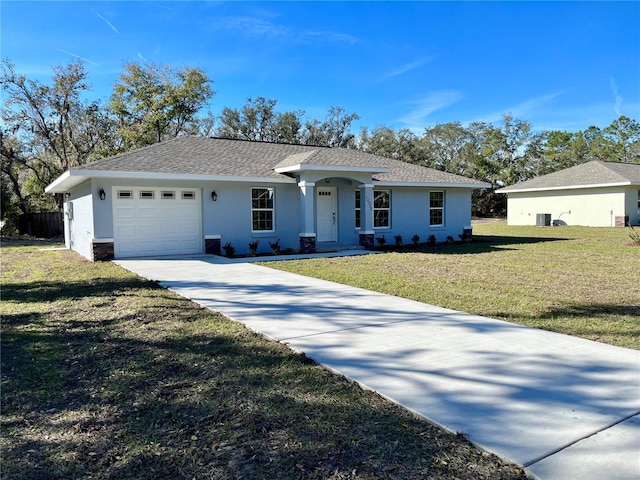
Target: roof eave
[(330, 168), (475, 185), (72, 178), (565, 187)]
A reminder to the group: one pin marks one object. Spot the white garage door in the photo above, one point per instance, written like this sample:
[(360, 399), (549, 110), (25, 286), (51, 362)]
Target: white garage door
[(156, 221)]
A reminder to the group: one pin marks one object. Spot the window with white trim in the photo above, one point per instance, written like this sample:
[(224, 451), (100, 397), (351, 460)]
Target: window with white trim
[(262, 209), (436, 209), (168, 195), (381, 209), (357, 208), (147, 194), (125, 194), (188, 195)]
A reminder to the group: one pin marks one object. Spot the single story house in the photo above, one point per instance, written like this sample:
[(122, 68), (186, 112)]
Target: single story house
[(193, 195), (594, 194)]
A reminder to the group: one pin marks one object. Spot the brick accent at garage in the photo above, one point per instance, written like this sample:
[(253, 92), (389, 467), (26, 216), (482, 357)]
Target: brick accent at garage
[(102, 251)]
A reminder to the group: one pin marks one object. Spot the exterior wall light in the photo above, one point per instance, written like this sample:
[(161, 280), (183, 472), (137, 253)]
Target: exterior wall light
[(102, 194), (214, 196)]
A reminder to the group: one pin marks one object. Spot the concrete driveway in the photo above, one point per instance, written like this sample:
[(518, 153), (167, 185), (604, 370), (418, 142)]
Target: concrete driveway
[(563, 407)]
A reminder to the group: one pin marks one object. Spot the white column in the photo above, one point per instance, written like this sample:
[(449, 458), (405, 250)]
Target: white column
[(307, 209), (366, 208)]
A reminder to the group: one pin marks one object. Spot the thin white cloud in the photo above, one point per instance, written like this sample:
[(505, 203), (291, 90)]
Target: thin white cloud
[(142, 57), (329, 36), (264, 28), (521, 110), (616, 95), (106, 21), (407, 67), (78, 56), (251, 26), (416, 118)]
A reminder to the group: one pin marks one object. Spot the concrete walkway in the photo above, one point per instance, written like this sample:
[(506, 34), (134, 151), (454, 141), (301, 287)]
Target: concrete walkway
[(563, 407)]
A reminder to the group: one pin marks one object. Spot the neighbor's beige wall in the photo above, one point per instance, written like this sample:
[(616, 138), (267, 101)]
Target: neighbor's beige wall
[(595, 207)]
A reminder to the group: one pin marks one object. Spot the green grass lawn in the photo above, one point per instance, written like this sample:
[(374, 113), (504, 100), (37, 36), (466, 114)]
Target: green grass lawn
[(574, 280), (107, 376)]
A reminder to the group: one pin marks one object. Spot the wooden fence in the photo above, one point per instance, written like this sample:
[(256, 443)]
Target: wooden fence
[(41, 225)]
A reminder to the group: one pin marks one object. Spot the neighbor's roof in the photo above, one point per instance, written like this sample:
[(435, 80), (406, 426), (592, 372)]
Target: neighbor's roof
[(586, 175), (202, 158)]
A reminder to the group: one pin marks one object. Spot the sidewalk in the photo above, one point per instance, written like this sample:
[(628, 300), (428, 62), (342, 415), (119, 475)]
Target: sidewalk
[(561, 406)]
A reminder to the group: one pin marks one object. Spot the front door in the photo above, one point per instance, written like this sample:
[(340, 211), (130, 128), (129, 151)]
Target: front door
[(327, 216)]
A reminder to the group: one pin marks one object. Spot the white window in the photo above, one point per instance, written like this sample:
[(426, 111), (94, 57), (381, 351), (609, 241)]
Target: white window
[(262, 209), (381, 209), (436, 209), (147, 194), (168, 195), (188, 195), (125, 194)]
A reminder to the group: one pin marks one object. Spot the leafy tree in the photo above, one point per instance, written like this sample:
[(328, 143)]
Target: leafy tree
[(622, 140), (334, 131), (153, 103), (402, 144), (46, 130), (257, 120)]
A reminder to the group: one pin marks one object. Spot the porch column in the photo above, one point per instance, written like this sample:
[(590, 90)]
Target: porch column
[(307, 217), (366, 215)]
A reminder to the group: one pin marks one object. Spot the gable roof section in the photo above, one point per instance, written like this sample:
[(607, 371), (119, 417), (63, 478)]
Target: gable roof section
[(202, 158), (592, 174)]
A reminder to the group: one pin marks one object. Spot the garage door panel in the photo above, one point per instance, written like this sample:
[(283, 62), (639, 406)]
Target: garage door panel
[(125, 212), (147, 212), (126, 231), (157, 226)]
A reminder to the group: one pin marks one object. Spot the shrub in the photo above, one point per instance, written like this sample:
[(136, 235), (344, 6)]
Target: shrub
[(398, 239), (415, 239), (431, 240), (275, 247), (633, 235), (381, 240), (229, 250), (450, 239), (253, 247)]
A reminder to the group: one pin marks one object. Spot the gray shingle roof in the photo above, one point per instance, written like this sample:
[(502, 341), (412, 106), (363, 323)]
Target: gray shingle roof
[(590, 174), (239, 158)]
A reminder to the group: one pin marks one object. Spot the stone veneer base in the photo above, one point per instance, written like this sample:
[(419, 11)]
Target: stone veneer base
[(102, 251), (307, 244), (212, 246), (366, 240)]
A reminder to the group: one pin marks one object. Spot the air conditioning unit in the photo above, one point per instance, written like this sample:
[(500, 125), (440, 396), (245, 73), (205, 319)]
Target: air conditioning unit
[(543, 219)]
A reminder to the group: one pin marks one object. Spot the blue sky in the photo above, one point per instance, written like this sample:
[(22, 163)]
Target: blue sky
[(560, 66)]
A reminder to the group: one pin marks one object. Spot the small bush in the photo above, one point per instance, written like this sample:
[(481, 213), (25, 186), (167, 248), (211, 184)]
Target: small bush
[(415, 239), (450, 239), (398, 239), (381, 240), (229, 249), (253, 248), (431, 240), (275, 247), (633, 235)]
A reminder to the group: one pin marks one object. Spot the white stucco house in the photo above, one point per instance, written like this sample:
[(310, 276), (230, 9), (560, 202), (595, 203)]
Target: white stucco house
[(193, 195), (595, 194)]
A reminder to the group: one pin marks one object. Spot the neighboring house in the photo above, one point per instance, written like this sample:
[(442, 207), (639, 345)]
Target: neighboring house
[(193, 195), (595, 194)]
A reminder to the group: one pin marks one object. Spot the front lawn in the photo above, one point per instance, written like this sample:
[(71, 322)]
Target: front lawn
[(574, 280), (107, 376)]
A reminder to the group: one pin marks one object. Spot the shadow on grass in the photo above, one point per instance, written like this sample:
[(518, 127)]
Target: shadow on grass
[(49, 291), (479, 244), (143, 394)]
